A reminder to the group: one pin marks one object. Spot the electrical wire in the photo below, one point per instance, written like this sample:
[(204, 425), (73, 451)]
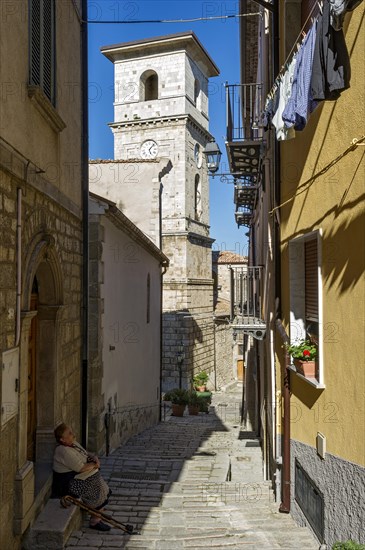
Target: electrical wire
[(191, 20), (304, 186)]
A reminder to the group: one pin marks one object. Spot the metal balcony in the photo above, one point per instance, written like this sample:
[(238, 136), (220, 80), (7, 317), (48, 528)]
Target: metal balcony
[(246, 307), (245, 196), (244, 142), (243, 217)]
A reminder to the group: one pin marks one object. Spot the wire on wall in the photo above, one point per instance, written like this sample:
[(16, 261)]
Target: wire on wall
[(304, 186)]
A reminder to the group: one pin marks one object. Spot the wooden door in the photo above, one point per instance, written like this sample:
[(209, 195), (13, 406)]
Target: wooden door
[(240, 370), (32, 369)]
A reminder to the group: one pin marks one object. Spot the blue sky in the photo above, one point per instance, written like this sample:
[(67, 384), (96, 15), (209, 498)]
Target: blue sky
[(220, 38)]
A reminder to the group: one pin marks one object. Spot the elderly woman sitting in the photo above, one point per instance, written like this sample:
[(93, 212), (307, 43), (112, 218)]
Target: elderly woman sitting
[(76, 472)]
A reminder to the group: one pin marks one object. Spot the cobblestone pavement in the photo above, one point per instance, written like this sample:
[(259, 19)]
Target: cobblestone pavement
[(194, 482)]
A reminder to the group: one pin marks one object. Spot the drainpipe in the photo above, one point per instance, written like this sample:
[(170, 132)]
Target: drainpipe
[(161, 328), (285, 503), (85, 225), (18, 264)]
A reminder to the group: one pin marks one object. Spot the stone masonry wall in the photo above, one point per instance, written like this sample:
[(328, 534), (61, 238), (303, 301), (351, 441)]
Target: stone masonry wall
[(342, 485), (225, 371), (196, 335), (39, 214)]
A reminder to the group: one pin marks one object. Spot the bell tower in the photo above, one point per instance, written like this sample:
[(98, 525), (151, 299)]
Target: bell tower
[(161, 110)]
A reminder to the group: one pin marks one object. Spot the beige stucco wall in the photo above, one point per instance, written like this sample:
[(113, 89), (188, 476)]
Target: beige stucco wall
[(125, 349), (134, 186), (21, 123), (332, 203)]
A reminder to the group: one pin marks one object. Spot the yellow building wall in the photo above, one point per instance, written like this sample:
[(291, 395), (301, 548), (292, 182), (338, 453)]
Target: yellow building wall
[(335, 203)]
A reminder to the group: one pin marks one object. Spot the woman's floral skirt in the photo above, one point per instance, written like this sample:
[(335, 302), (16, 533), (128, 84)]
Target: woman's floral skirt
[(93, 491)]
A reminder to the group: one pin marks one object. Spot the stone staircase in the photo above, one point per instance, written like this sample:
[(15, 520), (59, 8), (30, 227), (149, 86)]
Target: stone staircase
[(192, 483)]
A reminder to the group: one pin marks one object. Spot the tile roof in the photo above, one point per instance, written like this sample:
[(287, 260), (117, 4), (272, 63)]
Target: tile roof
[(227, 257)]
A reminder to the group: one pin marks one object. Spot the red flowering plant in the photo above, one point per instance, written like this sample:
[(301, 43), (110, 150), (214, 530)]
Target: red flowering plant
[(303, 350)]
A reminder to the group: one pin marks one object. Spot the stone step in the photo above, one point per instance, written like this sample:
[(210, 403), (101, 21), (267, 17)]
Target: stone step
[(53, 527)]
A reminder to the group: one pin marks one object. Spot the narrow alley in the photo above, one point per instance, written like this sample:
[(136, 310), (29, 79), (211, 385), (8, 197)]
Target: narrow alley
[(194, 482)]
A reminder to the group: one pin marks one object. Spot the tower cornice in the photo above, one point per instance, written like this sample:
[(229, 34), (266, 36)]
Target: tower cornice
[(157, 122)]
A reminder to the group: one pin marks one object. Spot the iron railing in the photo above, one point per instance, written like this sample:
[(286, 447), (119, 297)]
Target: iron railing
[(246, 289), (244, 104)]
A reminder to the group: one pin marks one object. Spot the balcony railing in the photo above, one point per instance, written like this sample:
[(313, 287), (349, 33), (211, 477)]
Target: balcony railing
[(244, 140), (246, 307), (244, 104)]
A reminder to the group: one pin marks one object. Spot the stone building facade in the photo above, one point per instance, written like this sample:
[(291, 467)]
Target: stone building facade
[(40, 257), (125, 288), (161, 111)]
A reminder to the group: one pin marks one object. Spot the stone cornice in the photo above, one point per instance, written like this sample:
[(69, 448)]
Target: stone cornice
[(161, 121)]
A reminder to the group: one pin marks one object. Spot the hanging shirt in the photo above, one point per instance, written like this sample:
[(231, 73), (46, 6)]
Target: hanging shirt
[(300, 103), (285, 89), (331, 63), (338, 10), (271, 106)]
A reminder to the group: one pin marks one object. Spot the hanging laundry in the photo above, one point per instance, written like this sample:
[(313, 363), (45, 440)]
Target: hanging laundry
[(300, 103), (271, 106), (338, 10), (285, 88), (331, 63)]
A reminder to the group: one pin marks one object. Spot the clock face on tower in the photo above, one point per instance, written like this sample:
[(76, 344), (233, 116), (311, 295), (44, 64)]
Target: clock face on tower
[(149, 149), (198, 155)]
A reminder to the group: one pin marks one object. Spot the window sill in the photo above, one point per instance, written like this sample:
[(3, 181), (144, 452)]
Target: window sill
[(311, 381), (46, 109)]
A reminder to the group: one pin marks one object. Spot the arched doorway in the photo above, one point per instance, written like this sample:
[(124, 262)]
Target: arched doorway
[(39, 364)]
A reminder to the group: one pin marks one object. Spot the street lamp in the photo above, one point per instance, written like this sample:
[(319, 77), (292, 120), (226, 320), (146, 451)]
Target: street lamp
[(213, 155)]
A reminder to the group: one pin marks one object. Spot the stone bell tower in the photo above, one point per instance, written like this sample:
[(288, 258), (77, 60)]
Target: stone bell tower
[(161, 110)]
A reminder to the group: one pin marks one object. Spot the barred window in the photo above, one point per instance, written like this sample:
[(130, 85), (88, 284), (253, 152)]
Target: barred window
[(42, 46)]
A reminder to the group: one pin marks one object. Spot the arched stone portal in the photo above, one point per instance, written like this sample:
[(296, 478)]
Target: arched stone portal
[(39, 357)]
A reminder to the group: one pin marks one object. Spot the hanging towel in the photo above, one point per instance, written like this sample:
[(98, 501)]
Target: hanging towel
[(285, 89), (331, 63)]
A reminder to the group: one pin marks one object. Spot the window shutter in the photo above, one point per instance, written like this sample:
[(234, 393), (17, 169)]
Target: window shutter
[(311, 279), (48, 48), (35, 42), (42, 46)]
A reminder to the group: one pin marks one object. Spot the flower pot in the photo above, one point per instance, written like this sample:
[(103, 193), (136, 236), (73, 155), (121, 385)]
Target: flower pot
[(201, 388), (178, 410), (306, 368), (193, 409)]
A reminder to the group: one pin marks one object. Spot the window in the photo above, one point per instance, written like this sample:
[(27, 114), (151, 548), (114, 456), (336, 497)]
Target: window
[(149, 86), (305, 282), (148, 297), (42, 46), (197, 199)]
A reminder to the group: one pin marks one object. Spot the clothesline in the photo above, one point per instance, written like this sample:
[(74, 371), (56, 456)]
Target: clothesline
[(296, 44), (304, 186)]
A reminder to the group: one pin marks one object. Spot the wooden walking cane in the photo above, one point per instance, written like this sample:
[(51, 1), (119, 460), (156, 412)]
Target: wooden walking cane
[(67, 500)]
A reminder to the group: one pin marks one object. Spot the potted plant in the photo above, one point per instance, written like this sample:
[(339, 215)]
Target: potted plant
[(304, 355), (179, 399), (193, 403), (200, 380), (348, 545)]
